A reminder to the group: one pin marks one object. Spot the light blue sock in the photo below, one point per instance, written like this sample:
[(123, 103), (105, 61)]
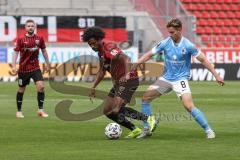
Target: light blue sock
[(200, 118), (146, 109)]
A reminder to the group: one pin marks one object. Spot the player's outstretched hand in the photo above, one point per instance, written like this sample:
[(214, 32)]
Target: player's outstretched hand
[(92, 94), (220, 80)]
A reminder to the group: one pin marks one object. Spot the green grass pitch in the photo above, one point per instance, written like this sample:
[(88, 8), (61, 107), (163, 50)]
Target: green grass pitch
[(178, 137)]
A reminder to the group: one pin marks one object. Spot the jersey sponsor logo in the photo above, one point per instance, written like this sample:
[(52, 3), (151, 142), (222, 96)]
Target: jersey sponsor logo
[(202, 74), (114, 52), (121, 88), (184, 51), (37, 42)]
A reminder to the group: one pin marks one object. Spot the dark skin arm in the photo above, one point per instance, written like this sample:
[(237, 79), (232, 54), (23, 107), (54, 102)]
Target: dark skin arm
[(99, 78)]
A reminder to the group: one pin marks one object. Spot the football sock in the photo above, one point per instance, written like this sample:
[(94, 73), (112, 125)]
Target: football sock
[(19, 99), (120, 119), (132, 113), (146, 109), (200, 118), (40, 98)]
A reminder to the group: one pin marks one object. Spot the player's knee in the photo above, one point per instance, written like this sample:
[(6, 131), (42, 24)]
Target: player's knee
[(21, 89), (115, 109), (188, 106), (40, 88), (146, 98)]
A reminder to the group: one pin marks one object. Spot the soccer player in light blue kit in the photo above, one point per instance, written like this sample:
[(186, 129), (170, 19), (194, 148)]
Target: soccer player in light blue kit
[(178, 51)]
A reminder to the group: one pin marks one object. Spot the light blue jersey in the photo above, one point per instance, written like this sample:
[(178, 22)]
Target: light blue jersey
[(177, 58)]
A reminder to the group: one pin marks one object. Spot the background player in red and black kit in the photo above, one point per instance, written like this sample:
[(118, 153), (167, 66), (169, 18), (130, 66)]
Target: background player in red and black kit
[(29, 46), (125, 82)]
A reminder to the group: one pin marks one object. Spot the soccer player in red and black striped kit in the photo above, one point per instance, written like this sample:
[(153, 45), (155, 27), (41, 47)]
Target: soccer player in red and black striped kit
[(125, 82), (29, 46)]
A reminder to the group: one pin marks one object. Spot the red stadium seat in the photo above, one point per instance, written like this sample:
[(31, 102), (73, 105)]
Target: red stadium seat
[(208, 7), (205, 38), (219, 22), (227, 22), (205, 14), (236, 45), (231, 14), (214, 38), (200, 7), (202, 22), (195, 1), (227, 1), (216, 30), (213, 15), (219, 1), (200, 1), (200, 30), (227, 45), (198, 14), (209, 45), (186, 1), (225, 7), (224, 30), (219, 45), (208, 30), (229, 38), (221, 38), (237, 38), (192, 7), (234, 7), (217, 7), (235, 1), (222, 15), (211, 1), (210, 22), (238, 14), (233, 30), (236, 22)]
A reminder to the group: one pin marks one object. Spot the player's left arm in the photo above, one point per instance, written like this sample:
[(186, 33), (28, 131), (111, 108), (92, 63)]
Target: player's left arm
[(45, 55), (201, 57)]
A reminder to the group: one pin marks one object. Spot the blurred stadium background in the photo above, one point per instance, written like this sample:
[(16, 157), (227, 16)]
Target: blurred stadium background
[(213, 25)]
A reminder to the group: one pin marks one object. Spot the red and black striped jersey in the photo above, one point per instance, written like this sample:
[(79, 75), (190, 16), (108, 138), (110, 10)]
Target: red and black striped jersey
[(112, 64), (29, 51)]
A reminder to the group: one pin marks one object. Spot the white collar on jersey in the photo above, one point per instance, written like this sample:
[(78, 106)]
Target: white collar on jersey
[(177, 44)]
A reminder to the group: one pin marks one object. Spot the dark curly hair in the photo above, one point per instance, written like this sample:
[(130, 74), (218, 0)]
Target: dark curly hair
[(93, 32)]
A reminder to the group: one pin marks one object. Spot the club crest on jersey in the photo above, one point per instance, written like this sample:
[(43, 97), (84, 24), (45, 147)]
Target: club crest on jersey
[(121, 88), (37, 42), (114, 52), (184, 51)]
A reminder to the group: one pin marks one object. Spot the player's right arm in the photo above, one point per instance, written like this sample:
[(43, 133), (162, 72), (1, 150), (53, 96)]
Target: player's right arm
[(15, 56), (14, 62), (147, 56), (99, 78)]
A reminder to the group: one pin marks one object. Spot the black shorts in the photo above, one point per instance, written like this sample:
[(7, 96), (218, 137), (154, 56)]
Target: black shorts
[(125, 90), (24, 78)]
